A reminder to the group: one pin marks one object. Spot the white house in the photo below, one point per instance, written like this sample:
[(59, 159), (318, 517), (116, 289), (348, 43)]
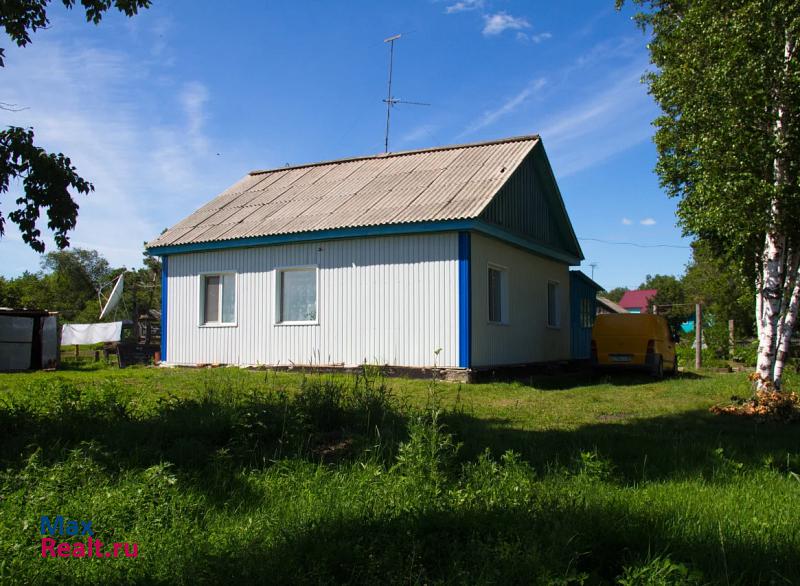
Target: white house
[(456, 256)]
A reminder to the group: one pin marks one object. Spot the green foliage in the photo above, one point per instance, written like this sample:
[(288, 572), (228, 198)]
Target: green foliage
[(720, 78), (747, 353), (47, 178), (711, 357), (659, 571), (224, 475), (723, 289), (670, 299), (20, 18), (69, 281), (615, 294)]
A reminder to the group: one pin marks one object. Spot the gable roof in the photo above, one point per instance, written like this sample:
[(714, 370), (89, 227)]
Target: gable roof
[(640, 298), (610, 305), (581, 276), (410, 189)]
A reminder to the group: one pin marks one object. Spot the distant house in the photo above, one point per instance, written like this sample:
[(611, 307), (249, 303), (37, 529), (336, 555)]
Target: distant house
[(638, 301), (605, 305), (457, 256)]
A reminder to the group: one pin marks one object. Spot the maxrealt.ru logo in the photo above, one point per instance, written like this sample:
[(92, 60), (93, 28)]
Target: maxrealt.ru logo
[(78, 549)]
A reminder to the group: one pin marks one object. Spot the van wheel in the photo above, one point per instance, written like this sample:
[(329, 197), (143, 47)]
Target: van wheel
[(658, 368)]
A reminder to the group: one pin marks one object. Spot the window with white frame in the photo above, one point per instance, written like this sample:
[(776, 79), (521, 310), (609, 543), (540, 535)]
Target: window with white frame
[(553, 304), (218, 299), (297, 295), (498, 295)]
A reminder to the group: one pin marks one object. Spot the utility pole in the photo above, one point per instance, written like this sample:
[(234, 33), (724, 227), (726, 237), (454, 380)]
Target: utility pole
[(698, 336)]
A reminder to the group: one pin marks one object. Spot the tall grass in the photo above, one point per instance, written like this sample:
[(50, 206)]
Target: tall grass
[(324, 479)]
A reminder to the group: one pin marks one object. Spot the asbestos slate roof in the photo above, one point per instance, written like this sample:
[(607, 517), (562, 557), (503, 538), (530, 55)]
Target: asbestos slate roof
[(445, 183)]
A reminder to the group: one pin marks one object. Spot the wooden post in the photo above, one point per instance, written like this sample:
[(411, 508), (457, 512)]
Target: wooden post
[(77, 351), (698, 336), (731, 337)]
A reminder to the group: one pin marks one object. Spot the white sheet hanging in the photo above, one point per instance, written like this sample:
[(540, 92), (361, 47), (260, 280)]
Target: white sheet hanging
[(91, 333)]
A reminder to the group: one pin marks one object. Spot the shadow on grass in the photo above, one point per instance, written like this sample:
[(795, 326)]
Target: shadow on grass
[(559, 534), (329, 422), (581, 377), (218, 434), (668, 447), (561, 544)]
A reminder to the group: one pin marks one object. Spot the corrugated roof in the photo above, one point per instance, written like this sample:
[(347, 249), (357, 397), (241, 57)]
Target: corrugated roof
[(610, 305), (444, 183), (637, 299)]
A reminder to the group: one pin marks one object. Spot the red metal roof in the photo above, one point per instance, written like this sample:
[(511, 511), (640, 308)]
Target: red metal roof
[(637, 299)]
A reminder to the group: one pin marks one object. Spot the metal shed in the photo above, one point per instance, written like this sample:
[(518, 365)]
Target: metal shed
[(28, 339)]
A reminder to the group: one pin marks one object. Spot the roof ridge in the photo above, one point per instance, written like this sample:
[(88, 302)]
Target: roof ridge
[(520, 138)]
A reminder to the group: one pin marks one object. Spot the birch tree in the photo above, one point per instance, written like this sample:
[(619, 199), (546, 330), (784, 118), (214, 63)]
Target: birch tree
[(727, 80)]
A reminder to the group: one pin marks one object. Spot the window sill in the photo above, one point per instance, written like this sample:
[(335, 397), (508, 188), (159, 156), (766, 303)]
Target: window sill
[(498, 323), (549, 327), (296, 323), (220, 325)]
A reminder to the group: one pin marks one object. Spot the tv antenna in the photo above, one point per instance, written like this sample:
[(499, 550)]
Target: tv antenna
[(390, 100)]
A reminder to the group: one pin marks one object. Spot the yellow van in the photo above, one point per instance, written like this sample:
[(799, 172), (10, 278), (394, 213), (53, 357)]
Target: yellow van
[(634, 341)]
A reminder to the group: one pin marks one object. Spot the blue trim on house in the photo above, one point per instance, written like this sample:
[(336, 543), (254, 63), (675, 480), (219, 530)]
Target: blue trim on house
[(366, 231), (164, 274), (360, 232), (464, 300)]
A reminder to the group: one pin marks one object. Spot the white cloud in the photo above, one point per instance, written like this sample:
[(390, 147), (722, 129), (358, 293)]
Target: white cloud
[(627, 221), (494, 24), (421, 132), (648, 222), (464, 6), (509, 106), (193, 99), (147, 155), (535, 39), (613, 115)]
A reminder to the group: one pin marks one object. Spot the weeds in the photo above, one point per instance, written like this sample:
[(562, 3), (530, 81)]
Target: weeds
[(326, 479)]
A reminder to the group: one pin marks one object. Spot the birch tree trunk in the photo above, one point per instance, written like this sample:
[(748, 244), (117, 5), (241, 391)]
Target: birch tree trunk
[(788, 321), (773, 279), (771, 293)]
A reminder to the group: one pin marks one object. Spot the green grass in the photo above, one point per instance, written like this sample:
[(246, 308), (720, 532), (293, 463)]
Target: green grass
[(225, 476)]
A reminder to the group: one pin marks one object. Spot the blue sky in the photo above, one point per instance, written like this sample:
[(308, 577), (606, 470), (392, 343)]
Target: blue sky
[(165, 110)]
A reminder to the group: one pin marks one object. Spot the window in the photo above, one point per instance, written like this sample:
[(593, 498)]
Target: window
[(498, 295), (297, 295), (586, 313), (553, 305), (219, 299)]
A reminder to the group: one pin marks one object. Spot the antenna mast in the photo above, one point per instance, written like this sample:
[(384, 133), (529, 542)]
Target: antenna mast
[(390, 101)]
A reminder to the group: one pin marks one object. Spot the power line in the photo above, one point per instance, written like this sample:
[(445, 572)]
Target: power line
[(636, 244)]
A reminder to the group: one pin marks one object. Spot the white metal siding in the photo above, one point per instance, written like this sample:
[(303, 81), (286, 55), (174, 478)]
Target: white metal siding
[(526, 337), (388, 300)]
